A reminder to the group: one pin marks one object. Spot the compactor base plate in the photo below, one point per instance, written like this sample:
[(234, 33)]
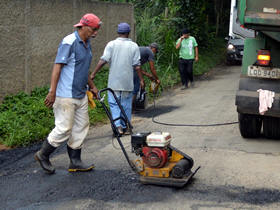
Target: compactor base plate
[(171, 182)]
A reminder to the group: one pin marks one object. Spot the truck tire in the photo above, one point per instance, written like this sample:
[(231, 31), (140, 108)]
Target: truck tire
[(249, 125), (229, 62), (271, 127)]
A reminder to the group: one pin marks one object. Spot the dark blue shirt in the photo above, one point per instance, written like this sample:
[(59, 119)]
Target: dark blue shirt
[(146, 55)]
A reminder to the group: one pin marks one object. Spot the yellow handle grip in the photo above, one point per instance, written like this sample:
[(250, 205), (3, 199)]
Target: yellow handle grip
[(91, 102)]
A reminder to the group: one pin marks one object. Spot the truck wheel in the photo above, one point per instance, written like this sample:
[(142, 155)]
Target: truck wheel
[(271, 127), (249, 125), (229, 62)]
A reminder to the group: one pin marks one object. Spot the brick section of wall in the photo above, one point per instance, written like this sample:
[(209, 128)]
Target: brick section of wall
[(31, 31)]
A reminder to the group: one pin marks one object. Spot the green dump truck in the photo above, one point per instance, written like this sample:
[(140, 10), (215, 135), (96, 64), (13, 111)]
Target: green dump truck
[(260, 68)]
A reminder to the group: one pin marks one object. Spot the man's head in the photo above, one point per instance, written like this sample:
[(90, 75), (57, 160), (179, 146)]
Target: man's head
[(186, 32), (154, 47), (89, 25), (123, 29)]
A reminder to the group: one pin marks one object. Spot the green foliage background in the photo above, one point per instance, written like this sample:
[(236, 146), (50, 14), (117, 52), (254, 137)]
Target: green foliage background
[(24, 118)]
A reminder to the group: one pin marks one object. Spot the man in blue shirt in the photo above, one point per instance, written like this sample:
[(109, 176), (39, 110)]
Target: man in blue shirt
[(67, 95)]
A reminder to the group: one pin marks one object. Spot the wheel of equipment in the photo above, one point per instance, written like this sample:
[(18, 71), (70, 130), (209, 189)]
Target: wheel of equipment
[(271, 127), (249, 125)]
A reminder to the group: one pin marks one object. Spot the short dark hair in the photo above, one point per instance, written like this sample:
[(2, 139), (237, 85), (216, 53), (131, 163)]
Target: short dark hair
[(154, 45), (123, 33), (185, 31)]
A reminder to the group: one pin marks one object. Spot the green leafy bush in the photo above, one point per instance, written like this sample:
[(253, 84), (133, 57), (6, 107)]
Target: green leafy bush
[(24, 118), (210, 57)]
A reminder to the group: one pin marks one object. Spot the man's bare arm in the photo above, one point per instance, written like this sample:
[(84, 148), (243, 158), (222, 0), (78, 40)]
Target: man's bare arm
[(50, 98), (140, 75), (196, 54), (92, 87), (179, 43), (153, 70), (99, 65)]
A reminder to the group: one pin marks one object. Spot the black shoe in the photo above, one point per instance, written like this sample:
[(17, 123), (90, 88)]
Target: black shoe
[(127, 131), (184, 87), (75, 161), (120, 130), (192, 84), (43, 155)]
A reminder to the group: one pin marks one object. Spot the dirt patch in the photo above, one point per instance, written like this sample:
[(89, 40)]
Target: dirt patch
[(3, 147)]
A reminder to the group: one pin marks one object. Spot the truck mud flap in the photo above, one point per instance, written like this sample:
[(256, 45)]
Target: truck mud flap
[(247, 97)]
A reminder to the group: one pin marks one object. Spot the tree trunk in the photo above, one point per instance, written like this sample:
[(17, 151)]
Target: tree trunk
[(217, 23), (219, 6)]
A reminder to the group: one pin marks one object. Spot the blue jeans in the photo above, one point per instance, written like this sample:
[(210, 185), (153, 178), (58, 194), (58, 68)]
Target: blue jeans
[(125, 98)]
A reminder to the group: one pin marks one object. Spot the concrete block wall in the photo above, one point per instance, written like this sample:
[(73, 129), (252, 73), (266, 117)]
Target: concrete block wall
[(31, 31)]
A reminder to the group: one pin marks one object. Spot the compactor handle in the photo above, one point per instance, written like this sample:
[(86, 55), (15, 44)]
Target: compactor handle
[(115, 130)]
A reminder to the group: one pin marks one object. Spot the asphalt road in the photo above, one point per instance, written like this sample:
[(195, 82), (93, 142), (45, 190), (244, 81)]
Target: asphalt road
[(235, 173)]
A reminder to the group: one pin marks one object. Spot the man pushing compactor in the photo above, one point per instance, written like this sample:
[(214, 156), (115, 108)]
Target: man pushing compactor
[(67, 95)]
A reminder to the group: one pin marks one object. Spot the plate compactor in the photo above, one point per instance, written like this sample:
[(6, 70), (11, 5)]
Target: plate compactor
[(158, 162)]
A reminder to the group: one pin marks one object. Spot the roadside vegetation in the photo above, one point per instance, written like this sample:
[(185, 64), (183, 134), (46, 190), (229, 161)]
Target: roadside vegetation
[(24, 119)]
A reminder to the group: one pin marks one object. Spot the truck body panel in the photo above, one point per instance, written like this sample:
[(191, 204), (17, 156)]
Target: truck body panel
[(260, 68), (261, 15)]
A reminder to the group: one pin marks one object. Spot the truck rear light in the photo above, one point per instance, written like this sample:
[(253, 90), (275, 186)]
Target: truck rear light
[(263, 57)]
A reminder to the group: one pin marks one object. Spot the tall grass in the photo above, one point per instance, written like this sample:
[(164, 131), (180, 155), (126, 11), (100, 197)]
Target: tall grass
[(162, 30)]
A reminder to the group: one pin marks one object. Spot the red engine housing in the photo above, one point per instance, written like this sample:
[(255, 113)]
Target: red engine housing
[(155, 157)]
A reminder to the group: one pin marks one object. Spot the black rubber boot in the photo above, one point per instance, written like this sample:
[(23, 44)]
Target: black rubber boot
[(43, 155), (75, 161)]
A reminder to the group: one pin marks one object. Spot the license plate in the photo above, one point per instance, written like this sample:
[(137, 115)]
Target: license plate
[(263, 72), (241, 52)]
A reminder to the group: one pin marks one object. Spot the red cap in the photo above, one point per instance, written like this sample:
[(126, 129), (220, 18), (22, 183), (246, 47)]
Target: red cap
[(89, 20)]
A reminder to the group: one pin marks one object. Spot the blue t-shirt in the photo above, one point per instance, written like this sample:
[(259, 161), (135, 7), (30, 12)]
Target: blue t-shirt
[(76, 55)]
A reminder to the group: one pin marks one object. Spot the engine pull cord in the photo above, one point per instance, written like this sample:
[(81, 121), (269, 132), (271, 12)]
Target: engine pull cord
[(185, 125)]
